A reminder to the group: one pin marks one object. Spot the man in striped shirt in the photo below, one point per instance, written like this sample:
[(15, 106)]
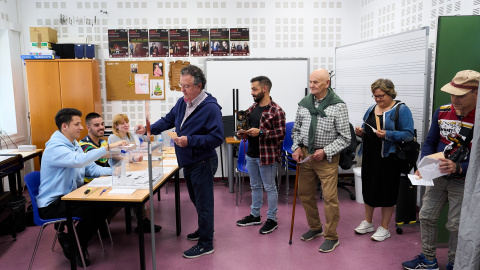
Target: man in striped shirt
[(320, 132), (266, 121)]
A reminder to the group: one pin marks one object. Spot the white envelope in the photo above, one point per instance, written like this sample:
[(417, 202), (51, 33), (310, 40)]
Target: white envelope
[(429, 169)]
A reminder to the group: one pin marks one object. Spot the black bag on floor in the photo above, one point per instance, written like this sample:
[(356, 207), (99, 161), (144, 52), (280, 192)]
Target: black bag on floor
[(406, 209)]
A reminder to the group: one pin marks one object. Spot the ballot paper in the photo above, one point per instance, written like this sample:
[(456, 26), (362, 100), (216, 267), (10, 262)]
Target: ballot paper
[(374, 130), (418, 181), (105, 181), (306, 159), (121, 191), (429, 168)]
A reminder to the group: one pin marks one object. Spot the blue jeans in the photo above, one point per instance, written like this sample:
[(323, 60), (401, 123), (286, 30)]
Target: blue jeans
[(199, 179), (263, 175), (435, 198)]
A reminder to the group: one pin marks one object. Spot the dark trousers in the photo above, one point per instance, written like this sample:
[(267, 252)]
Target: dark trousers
[(93, 216), (199, 179)]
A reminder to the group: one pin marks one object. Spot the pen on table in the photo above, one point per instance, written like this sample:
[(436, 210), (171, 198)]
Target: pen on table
[(102, 191)]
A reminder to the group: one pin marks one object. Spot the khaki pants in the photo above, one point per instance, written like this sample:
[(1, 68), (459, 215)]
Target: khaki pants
[(307, 192)]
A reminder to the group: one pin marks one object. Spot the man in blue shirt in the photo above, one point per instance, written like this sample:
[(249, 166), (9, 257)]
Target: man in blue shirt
[(64, 166)]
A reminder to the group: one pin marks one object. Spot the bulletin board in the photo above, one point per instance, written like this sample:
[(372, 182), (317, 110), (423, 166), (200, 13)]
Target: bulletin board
[(121, 82)]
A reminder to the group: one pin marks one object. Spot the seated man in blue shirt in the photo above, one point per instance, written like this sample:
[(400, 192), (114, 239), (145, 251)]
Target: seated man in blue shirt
[(64, 166)]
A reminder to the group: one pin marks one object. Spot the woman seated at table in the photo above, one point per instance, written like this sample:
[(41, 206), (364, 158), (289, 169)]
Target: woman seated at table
[(121, 131)]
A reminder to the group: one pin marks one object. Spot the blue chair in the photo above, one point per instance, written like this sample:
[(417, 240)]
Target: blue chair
[(32, 180), (241, 170), (288, 163)]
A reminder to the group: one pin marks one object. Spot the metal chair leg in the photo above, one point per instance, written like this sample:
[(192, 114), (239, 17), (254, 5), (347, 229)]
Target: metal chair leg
[(79, 248), (36, 247)]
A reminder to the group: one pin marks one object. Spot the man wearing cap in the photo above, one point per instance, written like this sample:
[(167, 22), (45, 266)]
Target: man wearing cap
[(451, 125)]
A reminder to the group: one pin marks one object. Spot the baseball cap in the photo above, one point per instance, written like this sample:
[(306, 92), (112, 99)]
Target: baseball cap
[(463, 82)]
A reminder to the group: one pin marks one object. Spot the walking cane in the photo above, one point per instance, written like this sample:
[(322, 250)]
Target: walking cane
[(294, 202)]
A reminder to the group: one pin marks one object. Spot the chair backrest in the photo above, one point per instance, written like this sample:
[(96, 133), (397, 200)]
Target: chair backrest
[(241, 156), (32, 180), (287, 142)]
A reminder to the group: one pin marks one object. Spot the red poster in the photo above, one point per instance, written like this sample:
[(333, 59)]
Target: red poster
[(199, 40), (158, 42), (219, 42), (117, 43), (179, 46), (138, 42), (239, 41)]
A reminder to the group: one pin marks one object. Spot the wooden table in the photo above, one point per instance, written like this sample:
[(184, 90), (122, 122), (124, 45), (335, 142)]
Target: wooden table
[(137, 200), (231, 142)]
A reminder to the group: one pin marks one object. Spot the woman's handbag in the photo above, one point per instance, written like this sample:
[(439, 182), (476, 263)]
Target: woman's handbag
[(406, 152)]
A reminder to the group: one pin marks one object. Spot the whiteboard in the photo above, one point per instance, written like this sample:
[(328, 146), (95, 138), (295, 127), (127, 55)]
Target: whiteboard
[(403, 58), (289, 78)]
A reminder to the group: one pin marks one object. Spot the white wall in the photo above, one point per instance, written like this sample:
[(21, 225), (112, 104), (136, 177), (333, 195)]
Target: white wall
[(278, 28)]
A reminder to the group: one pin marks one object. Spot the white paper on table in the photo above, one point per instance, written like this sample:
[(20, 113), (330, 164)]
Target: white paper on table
[(417, 181), (105, 181), (6, 151), (306, 159), (167, 170), (121, 191), (429, 168), (153, 158), (170, 162)]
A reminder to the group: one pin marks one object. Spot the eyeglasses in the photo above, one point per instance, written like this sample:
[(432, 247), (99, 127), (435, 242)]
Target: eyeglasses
[(378, 96), (185, 86)]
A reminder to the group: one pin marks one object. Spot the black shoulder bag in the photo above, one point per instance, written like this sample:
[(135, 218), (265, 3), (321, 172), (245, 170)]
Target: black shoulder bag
[(406, 152)]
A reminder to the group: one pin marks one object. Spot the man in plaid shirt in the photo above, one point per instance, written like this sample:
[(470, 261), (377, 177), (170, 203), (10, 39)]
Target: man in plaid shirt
[(320, 132), (266, 121)]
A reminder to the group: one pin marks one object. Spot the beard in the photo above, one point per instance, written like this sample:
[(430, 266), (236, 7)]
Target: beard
[(258, 97)]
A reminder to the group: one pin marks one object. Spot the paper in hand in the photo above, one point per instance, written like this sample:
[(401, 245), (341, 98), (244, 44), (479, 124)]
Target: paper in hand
[(172, 134)]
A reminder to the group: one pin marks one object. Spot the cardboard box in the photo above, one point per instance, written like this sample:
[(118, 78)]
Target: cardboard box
[(43, 34)]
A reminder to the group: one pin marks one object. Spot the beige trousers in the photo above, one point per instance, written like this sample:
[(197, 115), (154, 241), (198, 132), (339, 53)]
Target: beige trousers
[(307, 192)]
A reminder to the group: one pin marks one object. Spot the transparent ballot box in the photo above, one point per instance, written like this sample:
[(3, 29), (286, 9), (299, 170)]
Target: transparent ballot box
[(131, 166)]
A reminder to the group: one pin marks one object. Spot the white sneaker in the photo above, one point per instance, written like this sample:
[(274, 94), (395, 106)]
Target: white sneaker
[(381, 234), (365, 227)]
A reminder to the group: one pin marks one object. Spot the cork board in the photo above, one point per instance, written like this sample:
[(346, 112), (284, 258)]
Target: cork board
[(135, 80)]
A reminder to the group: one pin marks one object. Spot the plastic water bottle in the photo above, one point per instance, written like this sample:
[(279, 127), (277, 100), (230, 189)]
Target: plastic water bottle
[(123, 168), (160, 141)]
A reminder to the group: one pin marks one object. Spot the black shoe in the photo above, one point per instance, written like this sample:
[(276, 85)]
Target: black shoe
[(269, 226), (195, 236), (249, 220), (146, 226), (86, 257), (63, 240)]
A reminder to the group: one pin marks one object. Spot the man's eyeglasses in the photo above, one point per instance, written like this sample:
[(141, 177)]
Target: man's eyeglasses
[(378, 96), (186, 86)]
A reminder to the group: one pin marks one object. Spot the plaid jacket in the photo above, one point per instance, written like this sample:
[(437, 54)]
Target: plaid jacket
[(272, 122)]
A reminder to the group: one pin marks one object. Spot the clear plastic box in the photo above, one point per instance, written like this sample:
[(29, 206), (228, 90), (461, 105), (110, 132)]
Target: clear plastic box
[(130, 166)]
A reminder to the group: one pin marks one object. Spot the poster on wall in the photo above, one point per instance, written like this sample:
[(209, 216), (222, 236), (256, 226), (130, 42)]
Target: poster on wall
[(239, 41), (179, 46), (219, 42), (138, 42), (158, 42), (141, 84), (117, 43), (157, 88), (199, 42)]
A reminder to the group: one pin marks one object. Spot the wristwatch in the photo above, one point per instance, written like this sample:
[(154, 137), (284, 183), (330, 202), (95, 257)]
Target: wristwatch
[(260, 133)]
